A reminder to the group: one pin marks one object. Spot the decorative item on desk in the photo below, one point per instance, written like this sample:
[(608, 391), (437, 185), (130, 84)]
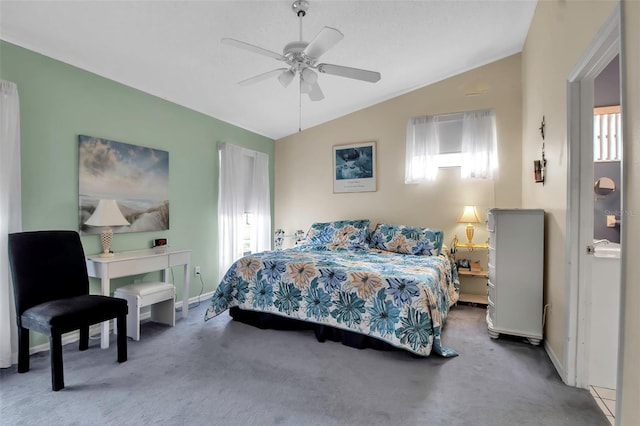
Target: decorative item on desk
[(279, 239), (469, 216), (299, 236), (107, 214), (158, 242)]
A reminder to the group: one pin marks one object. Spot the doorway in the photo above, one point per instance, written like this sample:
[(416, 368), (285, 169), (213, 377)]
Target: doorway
[(586, 282)]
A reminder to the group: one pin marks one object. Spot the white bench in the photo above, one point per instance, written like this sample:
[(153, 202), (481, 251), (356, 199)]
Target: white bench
[(159, 295)]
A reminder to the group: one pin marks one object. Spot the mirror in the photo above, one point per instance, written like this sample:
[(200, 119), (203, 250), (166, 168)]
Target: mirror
[(604, 186)]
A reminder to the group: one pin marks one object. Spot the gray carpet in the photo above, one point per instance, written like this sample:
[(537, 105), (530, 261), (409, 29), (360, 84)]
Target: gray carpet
[(227, 373)]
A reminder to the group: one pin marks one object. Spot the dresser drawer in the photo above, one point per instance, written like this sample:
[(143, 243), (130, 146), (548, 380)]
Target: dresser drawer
[(491, 291), (141, 265), (491, 311), (491, 222), (492, 274), (179, 258)]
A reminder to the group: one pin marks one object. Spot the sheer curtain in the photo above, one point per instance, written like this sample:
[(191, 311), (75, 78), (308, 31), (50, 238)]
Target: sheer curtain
[(479, 145), (10, 215), (243, 188), (422, 149)]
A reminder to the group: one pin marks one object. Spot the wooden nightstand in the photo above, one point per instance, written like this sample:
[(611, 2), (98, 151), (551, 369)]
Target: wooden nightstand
[(465, 274), (470, 297)]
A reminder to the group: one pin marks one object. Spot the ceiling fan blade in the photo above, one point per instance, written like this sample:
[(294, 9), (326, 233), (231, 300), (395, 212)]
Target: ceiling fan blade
[(315, 94), (262, 76), (252, 48), (355, 73), (323, 41)]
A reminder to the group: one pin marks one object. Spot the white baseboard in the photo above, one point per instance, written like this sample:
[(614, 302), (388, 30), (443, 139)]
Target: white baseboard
[(555, 361), (94, 330)]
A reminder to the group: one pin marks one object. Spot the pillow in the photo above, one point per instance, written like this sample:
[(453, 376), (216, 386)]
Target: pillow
[(407, 239), (342, 234)]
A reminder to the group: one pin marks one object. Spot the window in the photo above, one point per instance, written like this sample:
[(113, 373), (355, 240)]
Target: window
[(244, 209), (466, 140), (248, 240), (449, 140), (607, 134)]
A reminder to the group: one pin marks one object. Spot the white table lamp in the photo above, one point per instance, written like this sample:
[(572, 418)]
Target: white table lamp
[(107, 214)]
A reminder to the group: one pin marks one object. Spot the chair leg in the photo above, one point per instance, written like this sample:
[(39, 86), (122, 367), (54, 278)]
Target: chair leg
[(23, 349), (57, 375), (122, 337), (84, 338)]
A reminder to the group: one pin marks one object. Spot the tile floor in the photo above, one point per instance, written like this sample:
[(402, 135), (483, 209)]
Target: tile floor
[(606, 399)]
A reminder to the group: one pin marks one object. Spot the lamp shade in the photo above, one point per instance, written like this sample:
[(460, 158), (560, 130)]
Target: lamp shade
[(286, 77), (309, 76), (469, 215), (107, 214)]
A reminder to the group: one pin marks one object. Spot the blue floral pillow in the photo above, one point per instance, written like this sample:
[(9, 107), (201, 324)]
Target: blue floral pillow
[(407, 239), (342, 234)]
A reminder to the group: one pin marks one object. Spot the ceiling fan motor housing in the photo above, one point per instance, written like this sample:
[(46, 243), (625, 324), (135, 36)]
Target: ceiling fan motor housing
[(294, 52)]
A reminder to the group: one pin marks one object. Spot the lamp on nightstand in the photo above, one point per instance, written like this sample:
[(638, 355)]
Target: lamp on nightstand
[(107, 214), (469, 216)]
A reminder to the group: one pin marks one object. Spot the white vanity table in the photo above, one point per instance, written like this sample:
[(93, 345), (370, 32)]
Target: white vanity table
[(134, 262)]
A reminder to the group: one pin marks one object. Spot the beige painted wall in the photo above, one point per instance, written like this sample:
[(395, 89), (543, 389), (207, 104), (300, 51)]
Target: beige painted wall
[(303, 181), (559, 34), (629, 381)]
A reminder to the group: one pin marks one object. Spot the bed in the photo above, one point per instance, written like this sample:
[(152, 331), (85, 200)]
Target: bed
[(394, 286)]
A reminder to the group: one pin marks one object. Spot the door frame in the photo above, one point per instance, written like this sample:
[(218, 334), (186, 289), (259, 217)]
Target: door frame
[(604, 47)]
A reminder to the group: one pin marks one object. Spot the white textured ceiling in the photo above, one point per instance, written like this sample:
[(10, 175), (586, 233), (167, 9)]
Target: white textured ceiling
[(172, 49)]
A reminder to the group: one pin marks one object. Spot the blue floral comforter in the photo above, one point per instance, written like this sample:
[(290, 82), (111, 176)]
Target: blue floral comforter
[(397, 298)]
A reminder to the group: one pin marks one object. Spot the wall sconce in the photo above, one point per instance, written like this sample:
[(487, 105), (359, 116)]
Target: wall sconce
[(539, 166), (469, 216), (107, 214)]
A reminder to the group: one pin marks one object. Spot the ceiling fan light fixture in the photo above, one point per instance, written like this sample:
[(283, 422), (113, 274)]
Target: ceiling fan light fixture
[(309, 76), (304, 86), (286, 78)]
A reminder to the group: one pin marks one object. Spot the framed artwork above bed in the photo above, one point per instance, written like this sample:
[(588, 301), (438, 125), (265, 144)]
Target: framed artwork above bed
[(354, 167)]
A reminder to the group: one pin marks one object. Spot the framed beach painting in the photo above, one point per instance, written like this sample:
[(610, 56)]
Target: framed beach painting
[(354, 167), (135, 176)]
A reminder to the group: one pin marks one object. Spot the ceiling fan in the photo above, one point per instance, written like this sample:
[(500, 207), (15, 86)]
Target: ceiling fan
[(301, 58)]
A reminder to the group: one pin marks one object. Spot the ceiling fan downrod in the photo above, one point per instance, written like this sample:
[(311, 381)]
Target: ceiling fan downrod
[(300, 8)]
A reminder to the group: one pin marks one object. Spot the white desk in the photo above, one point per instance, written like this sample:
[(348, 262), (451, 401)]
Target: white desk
[(134, 262)]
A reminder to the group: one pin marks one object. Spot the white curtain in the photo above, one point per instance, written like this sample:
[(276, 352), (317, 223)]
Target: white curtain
[(10, 215), (422, 148), (479, 145), (243, 188)]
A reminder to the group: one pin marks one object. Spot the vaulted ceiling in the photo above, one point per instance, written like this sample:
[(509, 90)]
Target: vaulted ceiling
[(172, 49)]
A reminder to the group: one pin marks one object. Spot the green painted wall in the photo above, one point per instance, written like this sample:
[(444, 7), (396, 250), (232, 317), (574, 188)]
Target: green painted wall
[(58, 102)]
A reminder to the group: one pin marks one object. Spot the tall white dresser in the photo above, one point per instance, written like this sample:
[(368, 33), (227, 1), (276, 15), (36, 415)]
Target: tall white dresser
[(516, 270)]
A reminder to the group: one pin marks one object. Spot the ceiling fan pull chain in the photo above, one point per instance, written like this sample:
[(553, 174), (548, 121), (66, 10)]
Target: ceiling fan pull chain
[(300, 106)]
